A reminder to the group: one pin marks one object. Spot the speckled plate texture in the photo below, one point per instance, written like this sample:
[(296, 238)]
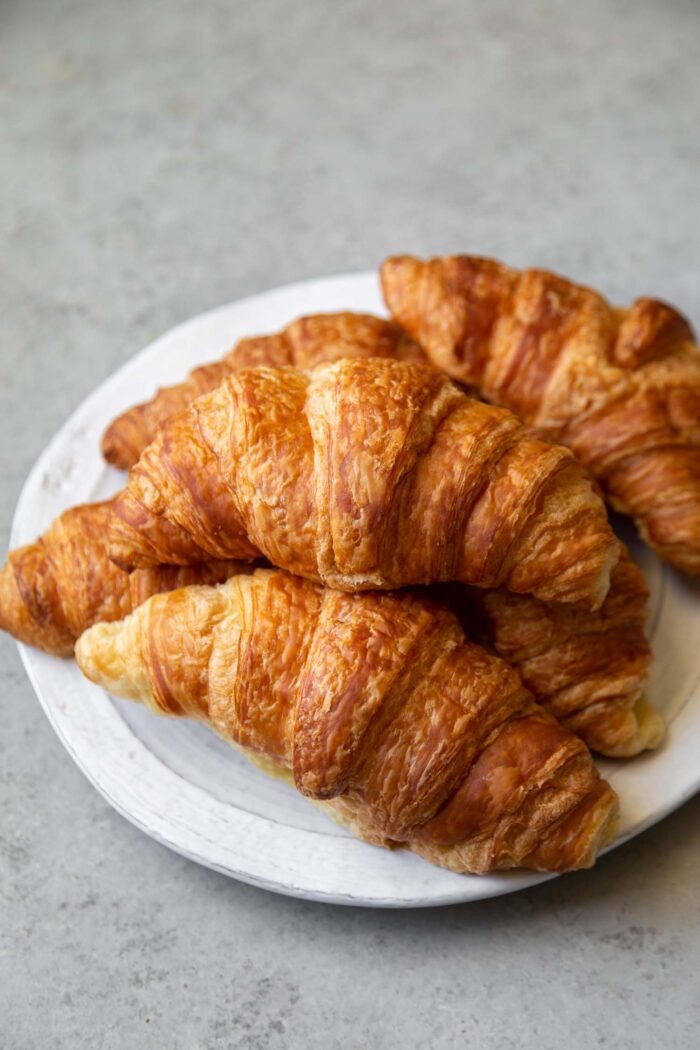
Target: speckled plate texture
[(183, 786)]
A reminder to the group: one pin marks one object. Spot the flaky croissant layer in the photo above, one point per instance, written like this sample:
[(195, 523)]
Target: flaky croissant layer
[(619, 387), (588, 669), (381, 709), (55, 588), (305, 343), (366, 474)]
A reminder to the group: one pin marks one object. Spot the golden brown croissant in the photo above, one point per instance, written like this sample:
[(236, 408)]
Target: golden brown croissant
[(588, 669), (378, 706), (366, 474), (619, 387), (53, 589), (305, 343)]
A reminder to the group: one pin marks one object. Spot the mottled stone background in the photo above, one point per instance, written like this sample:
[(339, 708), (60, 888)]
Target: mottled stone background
[(160, 158)]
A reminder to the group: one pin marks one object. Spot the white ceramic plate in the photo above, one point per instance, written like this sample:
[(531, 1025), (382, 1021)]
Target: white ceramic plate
[(183, 786)]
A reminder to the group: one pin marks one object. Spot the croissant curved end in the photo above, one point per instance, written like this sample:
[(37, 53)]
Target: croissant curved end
[(17, 620), (649, 733), (10, 603), (104, 653), (126, 437), (583, 835), (606, 826), (115, 446)]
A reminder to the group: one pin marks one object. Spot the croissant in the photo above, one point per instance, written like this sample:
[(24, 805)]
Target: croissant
[(377, 706), (619, 387), (366, 474), (588, 669), (53, 589), (305, 343)]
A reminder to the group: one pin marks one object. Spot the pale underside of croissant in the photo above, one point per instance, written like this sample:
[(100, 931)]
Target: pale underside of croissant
[(378, 706), (305, 343), (588, 669), (366, 474), (55, 588), (621, 387)]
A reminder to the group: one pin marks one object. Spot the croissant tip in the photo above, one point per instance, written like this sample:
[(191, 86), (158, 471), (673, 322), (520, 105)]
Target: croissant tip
[(649, 729), (84, 653), (17, 620), (397, 270), (651, 725), (113, 451), (5, 584), (103, 652), (607, 832), (602, 836)]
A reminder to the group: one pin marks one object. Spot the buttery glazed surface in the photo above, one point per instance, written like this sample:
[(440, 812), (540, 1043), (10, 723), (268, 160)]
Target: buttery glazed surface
[(589, 669), (380, 708), (55, 588), (366, 474), (619, 387), (586, 668), (305, 343)]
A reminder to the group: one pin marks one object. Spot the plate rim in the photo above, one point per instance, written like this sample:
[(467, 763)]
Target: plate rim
[(272, 885)]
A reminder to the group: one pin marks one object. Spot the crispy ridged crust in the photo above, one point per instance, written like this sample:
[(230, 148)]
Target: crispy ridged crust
[(619, 387), (305, 343), (381, 709), (366, 474), (588, 669), (55, 588)]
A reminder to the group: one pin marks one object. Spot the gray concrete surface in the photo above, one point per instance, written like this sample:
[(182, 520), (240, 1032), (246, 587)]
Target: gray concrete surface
[(158, 159)]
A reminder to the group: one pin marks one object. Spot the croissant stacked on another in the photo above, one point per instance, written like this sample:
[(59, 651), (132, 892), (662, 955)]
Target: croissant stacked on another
[(305, 343), (378, 707), (54, 589), (366, 474), (588, 669), (619, 387)]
